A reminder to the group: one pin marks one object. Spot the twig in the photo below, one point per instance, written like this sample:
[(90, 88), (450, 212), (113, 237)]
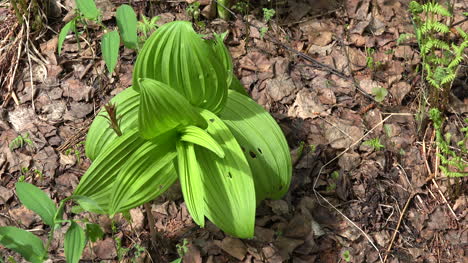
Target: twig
[(153, 232), (395, 232), (26, 20), (334, 207)]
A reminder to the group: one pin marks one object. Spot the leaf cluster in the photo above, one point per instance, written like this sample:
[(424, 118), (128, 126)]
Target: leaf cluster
[(440, 57), (186, 118), (32, 247)]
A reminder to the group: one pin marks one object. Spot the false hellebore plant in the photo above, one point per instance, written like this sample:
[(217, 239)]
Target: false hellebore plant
[(185, 118)]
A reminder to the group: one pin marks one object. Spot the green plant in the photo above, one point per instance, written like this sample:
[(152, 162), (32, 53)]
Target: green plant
[(379, 93), (30, 246), (110, 42), (346, 256), (146, 27), (20, 141), (241, 6), (193, 10), (184, 119), (440, 58), (268, 14), (374, 143), (453, 161)]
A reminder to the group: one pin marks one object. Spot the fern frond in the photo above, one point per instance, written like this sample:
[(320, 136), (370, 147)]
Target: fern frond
[(462, 33), (415, 7), (437, 26), (436, 8)]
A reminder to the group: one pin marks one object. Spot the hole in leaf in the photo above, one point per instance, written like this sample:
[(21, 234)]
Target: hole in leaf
[(252, 154), (212, 120), (259, 150), (229, 175)]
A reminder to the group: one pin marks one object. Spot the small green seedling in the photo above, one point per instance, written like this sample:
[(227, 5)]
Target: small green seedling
[(374, 143), (21, 141), (146, 27), (346, 256), (379, 93), (268, 14)]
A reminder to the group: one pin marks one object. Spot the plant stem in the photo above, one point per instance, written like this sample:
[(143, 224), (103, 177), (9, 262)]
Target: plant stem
[(153, 232)]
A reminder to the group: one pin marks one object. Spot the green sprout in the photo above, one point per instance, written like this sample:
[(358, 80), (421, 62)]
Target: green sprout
[(374, 143)]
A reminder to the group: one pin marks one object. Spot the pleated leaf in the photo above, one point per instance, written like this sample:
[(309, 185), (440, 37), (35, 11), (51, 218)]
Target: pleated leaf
[(221, 51), (176, 55), (163, 109), (145, 174), (228, 183), (200, 137), (100, 134), (74, 243), (263, 143), (97, 182), (191, 181)]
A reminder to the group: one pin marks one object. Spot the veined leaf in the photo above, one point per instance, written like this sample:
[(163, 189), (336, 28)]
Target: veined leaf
[(177, 56), (97, 182), (146, 174), (63, 34), (228, 183), (100, 134), (163, 109), (36, 200), (127, 23), (74, 243), (191, 181), (263, 142), (198, 136), (110, 44), (23, 242), (221, 51), (88, 9)]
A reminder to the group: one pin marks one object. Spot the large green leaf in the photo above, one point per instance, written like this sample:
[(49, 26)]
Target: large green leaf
[(198, 136), (191, 181), (74, 243), (228, 183), (36, 200), (96, 184), (23, 242), (110, 44), (100, 135), (263, 143), (176, 55), (127, 23), (148, 173), (221, 51), (88, 9), (163, 109)]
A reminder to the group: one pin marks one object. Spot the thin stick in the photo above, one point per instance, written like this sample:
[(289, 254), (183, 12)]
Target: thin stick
[(334, 207), (29, 62), (395, 232), (153, 232)]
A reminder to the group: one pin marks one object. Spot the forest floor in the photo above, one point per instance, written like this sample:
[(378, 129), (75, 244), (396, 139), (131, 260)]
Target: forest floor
[(314, 70)]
